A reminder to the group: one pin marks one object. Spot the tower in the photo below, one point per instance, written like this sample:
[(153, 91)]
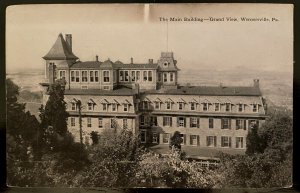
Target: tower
[(167, 71), (58, 60)]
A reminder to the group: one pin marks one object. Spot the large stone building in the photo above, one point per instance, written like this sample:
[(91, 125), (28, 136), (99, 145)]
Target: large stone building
[(147, 99)]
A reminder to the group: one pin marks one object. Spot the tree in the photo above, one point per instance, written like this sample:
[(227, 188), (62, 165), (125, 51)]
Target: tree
[(175, 141), (255, 143), (95, 137)]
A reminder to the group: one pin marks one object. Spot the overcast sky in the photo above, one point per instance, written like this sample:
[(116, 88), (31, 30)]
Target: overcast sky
[(119, 32)]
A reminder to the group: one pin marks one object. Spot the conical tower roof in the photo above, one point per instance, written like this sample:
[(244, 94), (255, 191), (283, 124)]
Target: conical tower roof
[(60, 50)]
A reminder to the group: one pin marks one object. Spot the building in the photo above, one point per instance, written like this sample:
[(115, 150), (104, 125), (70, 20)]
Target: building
[(147, 99)]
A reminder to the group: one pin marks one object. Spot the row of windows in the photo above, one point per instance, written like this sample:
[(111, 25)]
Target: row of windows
[(169, 105), (211, 141), (135, 76), (113, 122), (164, 76), (195, 122), (91, 106)]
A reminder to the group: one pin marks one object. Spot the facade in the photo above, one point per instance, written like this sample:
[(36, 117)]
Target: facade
[(147, 99)]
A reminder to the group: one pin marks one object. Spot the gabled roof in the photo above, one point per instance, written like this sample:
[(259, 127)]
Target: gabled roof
[(60, 50)]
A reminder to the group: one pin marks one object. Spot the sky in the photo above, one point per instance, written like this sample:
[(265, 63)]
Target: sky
[(119, 32)]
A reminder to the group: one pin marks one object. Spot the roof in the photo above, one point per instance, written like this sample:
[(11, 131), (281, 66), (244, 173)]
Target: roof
[(60, 50), (210, 90), (137, 66), (121, 91), (88, 64)]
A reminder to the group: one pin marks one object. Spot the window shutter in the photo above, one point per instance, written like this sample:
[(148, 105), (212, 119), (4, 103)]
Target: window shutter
[(207, 138), (164, 121), (237, 124), (229, 141), (222, 123), (198, 140), (171, 120), (245, 124), (190, 140), (184, 139), (229, 123), (177, 121), (191, 121), (184, 119), (198, 122), (215, 141)]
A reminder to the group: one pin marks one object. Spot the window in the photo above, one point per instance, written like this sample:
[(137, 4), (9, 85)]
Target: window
[(225, 141), (193, 106), (89, 122), (126, 76), (180, 105), (90, 106), (92, 78), (114, 107), (239, 142), (138, 75), (73, 106), (241, 108), (211, 141), (153, 121), (143, 136), (210, 123), (113, 123), (133, 76), (227, 107), (100, 122), (205, 106), (171, 77), (225, 123), (125, 107), (77, 76), (194, 122), (165, 77), (145, 75), (142, 120), (125, 125), (62, 74), (96, 76), (217, 106), (240, 124), (157, 105), (154, 138), (168, 103), (183, 137), (84, 76), (104, 107), (255, 108), (166, 138), (181, 122), (159, 77), (150, 76), (105, 76), (72, 76), (73, 124), (252, 123), (144, 105), (194, 139), (167, 121)]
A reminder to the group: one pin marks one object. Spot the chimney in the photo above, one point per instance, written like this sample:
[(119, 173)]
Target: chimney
[(256, 83), (97, 60), (131, 60), (150, 61), (69, 41)]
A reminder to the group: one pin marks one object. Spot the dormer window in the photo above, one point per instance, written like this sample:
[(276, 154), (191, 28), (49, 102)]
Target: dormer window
[(255, 108), (125, 107), (180, 105), (227, 107), (157, 105), (114, 107), (168, 103), (217, 106), (205, 106), (240, 107), (193, 106), (104, 107), (90, 106), (73, 106)]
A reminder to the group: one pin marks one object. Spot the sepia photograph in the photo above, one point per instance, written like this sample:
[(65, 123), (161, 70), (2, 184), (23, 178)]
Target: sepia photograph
[(149, 95)]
